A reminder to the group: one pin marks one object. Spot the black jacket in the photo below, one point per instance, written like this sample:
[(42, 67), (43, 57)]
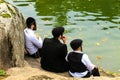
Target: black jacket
[(75, 62), (53, 55)]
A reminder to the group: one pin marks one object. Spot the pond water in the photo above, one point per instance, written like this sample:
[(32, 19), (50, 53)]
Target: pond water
[(97, 22)]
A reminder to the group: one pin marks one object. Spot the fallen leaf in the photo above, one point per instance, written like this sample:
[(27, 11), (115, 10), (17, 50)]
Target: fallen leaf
[(104, 39), (98, 44), (99, 57)]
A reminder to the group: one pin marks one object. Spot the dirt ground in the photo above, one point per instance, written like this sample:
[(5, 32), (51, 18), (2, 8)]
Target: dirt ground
[(35, 63), (33, 71)]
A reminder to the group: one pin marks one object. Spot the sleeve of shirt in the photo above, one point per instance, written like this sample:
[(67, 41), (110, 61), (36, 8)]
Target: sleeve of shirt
[(37, 42), (87, 62), (66, 58)]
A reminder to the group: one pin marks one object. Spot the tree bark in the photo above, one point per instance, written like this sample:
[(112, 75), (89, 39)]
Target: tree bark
[(12, 25)]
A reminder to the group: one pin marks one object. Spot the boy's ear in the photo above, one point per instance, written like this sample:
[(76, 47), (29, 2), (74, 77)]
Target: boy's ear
[(81, 48)]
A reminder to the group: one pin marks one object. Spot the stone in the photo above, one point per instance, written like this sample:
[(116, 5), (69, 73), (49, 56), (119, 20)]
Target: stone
[(12, 25)]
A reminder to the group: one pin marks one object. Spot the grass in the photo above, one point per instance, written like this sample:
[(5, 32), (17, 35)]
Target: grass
[(3, 74)]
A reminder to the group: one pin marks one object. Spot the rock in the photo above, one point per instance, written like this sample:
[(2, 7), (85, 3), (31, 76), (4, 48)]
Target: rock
[(12, 25)]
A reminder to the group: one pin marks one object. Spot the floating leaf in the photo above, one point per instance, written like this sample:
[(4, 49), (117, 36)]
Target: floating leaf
[(98, 44), (104, 39), (47, 21), (99, 57)]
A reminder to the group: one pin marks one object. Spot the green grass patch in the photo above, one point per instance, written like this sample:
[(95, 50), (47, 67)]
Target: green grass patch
[(2, 73)]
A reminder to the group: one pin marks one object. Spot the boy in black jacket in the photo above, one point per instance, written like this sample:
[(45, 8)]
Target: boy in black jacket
[(54, 51)]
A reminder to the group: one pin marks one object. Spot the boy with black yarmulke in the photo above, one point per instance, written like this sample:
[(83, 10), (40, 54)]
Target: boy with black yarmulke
[(80, 65)]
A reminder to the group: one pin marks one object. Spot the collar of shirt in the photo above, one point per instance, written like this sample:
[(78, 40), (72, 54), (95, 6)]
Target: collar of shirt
[(56, 40), (78, 51), (30, 31)]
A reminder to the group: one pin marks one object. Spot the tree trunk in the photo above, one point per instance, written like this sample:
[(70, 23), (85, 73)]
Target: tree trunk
[(12, 25)]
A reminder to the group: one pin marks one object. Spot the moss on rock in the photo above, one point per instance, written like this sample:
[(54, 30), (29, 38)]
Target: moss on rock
[(11, 10), (1, 1), (6, 15)]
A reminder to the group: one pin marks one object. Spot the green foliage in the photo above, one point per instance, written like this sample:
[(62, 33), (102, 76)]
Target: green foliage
[(2, 72)]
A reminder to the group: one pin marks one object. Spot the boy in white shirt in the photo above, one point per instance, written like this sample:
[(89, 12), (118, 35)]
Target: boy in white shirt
[(33, 43), (80, 65)]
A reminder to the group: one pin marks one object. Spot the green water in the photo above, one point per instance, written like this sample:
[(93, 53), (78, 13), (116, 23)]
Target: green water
[(97, 22)]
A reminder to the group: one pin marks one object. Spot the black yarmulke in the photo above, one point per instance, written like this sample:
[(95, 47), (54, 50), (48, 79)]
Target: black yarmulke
[(56, 32), (76, 43), (29, 21)]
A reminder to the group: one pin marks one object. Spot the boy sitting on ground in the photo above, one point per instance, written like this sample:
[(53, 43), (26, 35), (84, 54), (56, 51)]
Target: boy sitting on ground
[(80, 65)]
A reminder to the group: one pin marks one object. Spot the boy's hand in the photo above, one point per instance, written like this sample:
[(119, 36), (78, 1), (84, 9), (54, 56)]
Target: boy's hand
[(38, 36), (64, 39)]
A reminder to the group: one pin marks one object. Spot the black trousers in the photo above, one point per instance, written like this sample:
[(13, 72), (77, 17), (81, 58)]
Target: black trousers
[(95, 72), (35, 55)]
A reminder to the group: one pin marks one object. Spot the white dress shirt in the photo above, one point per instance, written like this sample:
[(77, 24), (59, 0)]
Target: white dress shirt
[(86, 61), (32, 43)]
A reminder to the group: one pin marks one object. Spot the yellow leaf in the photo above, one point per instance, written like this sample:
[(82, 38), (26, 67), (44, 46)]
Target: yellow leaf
[(104, 39), (99, 57), (98, 44), (47, 21)]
